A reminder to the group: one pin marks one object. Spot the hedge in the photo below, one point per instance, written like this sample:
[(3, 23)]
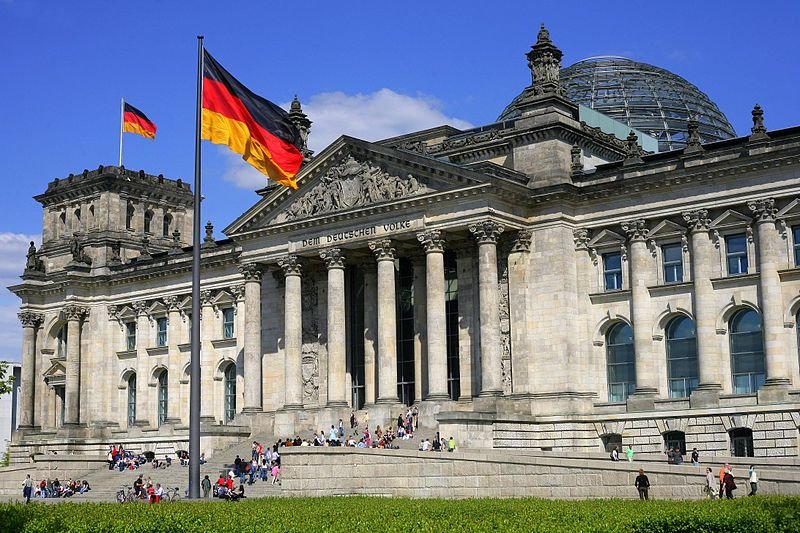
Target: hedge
[(345, 514)]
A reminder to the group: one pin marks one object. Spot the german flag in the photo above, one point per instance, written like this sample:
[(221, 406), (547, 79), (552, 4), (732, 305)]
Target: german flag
[(249, 125), (135, 121)]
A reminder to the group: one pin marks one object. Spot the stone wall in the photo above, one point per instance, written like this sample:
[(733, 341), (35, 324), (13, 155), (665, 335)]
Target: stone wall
[(500, 474)]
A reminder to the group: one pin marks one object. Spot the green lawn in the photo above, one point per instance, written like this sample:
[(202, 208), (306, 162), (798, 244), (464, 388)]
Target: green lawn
[(380, 515)]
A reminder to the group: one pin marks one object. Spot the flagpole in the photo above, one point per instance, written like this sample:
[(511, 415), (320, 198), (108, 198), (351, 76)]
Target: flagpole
[(121, 126), (194, 394)]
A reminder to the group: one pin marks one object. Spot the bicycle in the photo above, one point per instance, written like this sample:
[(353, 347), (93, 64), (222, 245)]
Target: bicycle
[(126, 494), (172, 495)]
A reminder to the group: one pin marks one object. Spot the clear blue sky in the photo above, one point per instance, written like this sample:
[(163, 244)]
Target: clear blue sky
[(358, 68)]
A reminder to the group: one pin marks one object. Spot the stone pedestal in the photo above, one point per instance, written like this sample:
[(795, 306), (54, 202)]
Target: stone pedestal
[(704, 397)]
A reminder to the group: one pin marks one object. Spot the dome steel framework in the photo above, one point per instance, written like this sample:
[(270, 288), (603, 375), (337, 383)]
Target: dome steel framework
[(645, 97)]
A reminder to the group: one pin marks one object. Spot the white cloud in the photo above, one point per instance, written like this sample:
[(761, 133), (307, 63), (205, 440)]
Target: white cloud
[(373, 116), (13, 248)]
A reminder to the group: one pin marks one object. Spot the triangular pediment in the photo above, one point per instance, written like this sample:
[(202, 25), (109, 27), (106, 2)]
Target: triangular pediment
[(729, 219), (353, 175), (606, 238), (791, 211), (666, 229), (56, 368)]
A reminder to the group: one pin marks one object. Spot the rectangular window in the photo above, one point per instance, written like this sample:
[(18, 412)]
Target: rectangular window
[(736, 253), (227, 323), (161, 332), (130, 335), (673, 263), (612, 271), (796, 242)]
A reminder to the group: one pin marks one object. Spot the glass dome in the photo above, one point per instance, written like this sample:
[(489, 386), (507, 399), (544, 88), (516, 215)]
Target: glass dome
[(648, 98)]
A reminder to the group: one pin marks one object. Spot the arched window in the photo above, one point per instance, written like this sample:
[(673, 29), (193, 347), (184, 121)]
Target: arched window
[(78, 218), (741, 442), (611, 441), (62, 342), (129, 212), (62, 218), (148, 221), (166, 226), (681, 357), (675, 439), (230, 393), (163, 398), (747, 352), (132, 400), (619, 355)]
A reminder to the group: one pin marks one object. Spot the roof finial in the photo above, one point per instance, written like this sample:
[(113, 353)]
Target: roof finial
[(301, 122), (758, 130), (693, 143), (544, 60), (633, 153)]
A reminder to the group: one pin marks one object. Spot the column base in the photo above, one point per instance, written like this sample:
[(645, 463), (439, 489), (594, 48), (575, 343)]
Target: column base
[(173, 421), (252, 409), (490, 394), (641, 401), (384, 401), (706, 395), (205, 419), (337, 403), (438, 397), (774, 391), (293, 406)]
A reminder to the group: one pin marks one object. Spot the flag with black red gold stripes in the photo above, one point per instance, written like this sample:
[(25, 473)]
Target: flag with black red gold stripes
[(249, 125), (134, 121)]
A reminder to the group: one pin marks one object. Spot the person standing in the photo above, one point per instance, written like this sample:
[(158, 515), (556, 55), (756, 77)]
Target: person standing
[(695, 457), (753, 481), (27, 488), (451, 445), (710, 482), (206, 485), (352, 419), (729, 483), (614, 454), (643, 484), (678, 456), (629, 453), (722, 479)]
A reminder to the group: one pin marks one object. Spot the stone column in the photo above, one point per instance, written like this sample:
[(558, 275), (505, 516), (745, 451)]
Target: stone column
[(337, 349), (207, 402), (703, 258), (777, 364), (293, 328), (640, 266), (72, 389), (370, 333), (520, 320), (173, 360), (436, 326), (387, 322), (30, 321), (467, 323), (487, 233), (143, 410), (252, 338)]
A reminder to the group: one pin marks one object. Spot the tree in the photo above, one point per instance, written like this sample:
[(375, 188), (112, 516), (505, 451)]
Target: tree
[(6, 381)]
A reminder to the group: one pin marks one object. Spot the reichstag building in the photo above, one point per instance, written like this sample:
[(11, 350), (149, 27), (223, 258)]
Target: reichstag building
[(606, 263)]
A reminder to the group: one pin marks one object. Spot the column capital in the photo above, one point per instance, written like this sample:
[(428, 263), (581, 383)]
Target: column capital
[(30, 319), (291, 265), (697, 220), (205, 297), (75, 312), (763, 209), (487, 231), (636, 229), (140, 307), (251, 272), (522, 241), (432, 241), (383, 249), (172, 302), (333, 258), (237, 291), (580, 236)]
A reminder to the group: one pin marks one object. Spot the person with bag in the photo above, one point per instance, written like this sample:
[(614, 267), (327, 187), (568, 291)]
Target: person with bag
[(729, 483), (711, 482)]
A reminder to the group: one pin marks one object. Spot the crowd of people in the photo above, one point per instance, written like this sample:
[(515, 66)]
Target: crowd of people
[(48, 488)]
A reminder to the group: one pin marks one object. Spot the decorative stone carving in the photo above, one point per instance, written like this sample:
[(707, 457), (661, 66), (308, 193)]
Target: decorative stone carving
[(237, 291), (486, 232), (763, 209), (75, 312), (758, 131), (633, 152), (115, 258), (504, 315), (30, 319), (383, 250), (172, 302), (176, 247), (303, 125), (748, 231), (208, 240), (310, 340), (251, 272), (206, 297), (693, 143), (522, 241), (32, 261), (575, 153), (333, 258), (462, 141), (79, 256), (714, 234), (139, 307), (145, 254), (348, 185), (580, 236), (636, 229), (544, 60), (432, 241), (291, 265), (697, 220), (113, 312)]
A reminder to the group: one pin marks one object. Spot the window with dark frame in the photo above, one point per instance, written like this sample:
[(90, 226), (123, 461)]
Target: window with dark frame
[(161, 332), (673, 263), (130, 335), (736, 254), (228, 323), (612, 271)]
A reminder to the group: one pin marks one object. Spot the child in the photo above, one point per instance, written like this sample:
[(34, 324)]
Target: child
[(276, 472)]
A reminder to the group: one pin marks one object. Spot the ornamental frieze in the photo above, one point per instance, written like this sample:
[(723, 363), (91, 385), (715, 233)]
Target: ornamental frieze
[(348, 185)]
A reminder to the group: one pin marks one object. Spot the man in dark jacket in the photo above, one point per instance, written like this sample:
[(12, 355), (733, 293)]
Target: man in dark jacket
[(643, 484)]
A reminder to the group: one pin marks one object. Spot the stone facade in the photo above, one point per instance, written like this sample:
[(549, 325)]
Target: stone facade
[(536, 269)]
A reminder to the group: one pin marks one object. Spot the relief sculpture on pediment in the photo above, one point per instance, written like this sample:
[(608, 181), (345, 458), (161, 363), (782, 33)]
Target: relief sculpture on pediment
[(348, 185)]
